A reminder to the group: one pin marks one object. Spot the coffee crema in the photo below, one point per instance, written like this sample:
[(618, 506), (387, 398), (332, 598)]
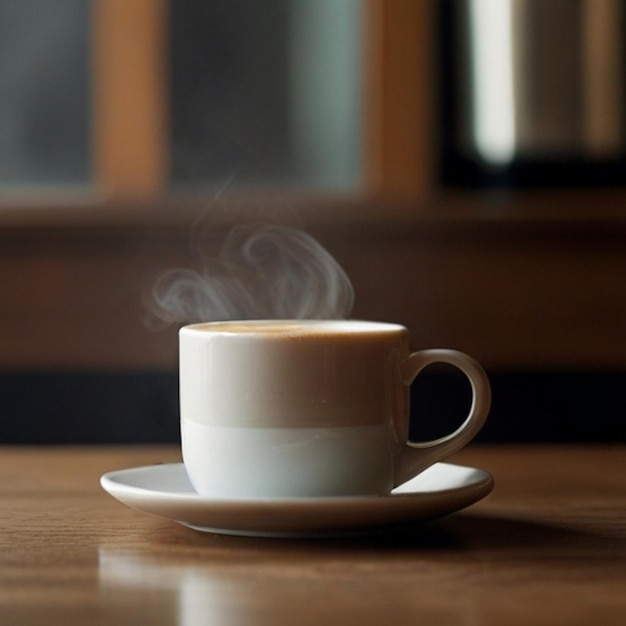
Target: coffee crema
[(296, 327)]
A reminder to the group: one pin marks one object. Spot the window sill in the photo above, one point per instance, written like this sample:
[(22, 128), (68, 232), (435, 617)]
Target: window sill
[(562, 213)]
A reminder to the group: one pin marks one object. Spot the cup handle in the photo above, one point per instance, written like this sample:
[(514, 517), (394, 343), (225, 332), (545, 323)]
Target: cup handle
[(417, 456)]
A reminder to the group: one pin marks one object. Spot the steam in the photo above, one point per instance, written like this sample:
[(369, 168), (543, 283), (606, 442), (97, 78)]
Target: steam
[(256, 271)]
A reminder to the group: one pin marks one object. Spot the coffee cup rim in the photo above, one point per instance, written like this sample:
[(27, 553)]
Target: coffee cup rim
[(289, 326)]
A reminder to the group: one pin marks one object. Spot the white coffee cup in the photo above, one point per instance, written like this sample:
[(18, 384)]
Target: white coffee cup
[(308, 408)]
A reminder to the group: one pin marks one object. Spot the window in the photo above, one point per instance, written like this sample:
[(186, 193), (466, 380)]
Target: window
[(137, 99), (265, 92), (150, 97), (45, 93)]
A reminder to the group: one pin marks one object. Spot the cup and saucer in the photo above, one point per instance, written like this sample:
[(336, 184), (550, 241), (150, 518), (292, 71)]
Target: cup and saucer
[(289, 426), (165, 490)]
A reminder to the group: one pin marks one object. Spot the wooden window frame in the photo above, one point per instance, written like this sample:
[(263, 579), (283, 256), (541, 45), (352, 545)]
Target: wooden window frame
[(131, 98), (130, 116)]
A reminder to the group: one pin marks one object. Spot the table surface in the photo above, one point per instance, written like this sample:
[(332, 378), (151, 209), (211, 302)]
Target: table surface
[(547, 546)]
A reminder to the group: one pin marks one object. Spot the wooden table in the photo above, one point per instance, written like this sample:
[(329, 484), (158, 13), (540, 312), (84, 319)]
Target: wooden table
[(548, 546)]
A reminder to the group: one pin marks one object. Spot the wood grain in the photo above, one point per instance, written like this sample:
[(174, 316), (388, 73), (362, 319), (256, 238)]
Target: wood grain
[(548, 546)]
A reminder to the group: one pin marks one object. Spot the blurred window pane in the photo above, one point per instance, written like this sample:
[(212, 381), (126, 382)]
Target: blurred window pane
[(266, 92), (44, 92)]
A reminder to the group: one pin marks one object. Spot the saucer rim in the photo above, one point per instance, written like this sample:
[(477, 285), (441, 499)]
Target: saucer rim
[(297, 517), (110, 479)]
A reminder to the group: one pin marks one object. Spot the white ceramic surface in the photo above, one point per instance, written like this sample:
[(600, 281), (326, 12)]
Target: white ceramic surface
[(321, 380), (289, 462), (165, 490)]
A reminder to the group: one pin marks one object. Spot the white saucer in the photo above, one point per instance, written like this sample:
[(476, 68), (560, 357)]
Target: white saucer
[(165, 490)]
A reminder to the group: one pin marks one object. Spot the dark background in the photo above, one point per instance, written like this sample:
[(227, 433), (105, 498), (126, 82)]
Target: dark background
[(140, 407)]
